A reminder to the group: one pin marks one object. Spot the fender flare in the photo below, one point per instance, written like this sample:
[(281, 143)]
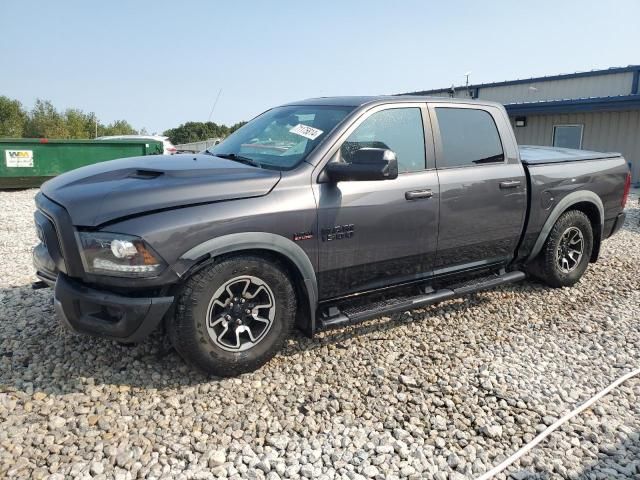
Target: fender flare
[(237, 242), (563, 205)]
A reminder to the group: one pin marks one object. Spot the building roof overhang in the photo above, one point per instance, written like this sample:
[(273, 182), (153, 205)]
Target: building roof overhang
[(592, 104)]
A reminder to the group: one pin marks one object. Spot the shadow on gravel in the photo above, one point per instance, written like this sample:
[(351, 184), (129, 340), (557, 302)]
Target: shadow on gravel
[(376, 329), (37, 353), (619, 461)]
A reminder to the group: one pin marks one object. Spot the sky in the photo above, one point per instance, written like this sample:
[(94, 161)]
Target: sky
[(158, 64)]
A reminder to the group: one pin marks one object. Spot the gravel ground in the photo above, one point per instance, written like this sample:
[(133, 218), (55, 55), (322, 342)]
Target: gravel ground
[(444, 392)]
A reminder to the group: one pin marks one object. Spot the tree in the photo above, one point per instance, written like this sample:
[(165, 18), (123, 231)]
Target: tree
[(236, 126), (45, 122), (12, 118), (79, 124), (118, 127), (196, 131)]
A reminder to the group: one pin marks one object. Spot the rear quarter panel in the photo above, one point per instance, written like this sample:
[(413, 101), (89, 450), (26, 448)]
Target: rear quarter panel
[(550, 183)]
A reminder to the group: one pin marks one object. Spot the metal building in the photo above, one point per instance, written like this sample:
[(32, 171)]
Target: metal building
[(597, 110)]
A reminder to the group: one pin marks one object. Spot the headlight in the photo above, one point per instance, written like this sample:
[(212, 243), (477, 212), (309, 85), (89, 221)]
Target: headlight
[(118, 255)]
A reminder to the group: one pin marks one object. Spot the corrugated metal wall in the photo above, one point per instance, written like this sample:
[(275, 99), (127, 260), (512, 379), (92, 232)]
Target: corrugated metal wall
[(603, 131), (605, 85), (581, 87)]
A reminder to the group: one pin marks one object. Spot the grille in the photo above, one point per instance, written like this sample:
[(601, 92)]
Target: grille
[(48, 235), (40, 234)]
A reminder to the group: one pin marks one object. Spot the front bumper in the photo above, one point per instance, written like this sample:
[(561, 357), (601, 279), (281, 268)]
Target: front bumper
[(127, 317), (105, 314)]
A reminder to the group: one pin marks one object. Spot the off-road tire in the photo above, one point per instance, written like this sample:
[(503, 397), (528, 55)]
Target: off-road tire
[(547, 267), (188, 329)]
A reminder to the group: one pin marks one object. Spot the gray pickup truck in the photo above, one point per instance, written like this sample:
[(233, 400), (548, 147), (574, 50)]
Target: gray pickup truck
[(316, 214)]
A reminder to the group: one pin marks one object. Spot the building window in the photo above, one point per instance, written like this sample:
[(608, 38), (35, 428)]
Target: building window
[(469, 137), (567, 136)]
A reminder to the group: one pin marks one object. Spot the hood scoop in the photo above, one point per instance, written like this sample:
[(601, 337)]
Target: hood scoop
[(146, 174)]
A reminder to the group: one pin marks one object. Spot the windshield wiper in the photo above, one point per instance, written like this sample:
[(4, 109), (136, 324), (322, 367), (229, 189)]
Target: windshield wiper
[(237, 158)]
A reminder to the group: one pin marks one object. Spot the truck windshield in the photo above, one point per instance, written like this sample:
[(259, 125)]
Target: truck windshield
[(282, 137)]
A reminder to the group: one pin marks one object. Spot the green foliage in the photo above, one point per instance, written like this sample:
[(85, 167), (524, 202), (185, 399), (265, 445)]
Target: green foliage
[(236, 126), (196, 131), (79, 124), (12, 118), (119, 127), (44, 121)]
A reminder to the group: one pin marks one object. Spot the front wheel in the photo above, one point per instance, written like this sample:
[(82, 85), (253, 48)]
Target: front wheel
[(233, 316), (566, 253)]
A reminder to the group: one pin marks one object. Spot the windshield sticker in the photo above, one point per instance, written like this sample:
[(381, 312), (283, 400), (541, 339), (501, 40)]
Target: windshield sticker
[(306, 131)]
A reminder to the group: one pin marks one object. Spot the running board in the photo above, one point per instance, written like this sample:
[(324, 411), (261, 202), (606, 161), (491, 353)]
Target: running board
[(335, 317)]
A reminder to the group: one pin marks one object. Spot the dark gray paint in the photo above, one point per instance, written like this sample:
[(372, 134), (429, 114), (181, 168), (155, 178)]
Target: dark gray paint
[(550, 183), (394, 239), (208, 206), (561, 206), (480, 222), (99, 193), (478, 219)]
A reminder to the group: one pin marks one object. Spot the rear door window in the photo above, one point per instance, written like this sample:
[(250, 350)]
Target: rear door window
[(468, 136)]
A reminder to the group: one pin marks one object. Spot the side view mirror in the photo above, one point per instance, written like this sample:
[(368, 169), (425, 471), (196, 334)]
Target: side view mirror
[(367, 164)]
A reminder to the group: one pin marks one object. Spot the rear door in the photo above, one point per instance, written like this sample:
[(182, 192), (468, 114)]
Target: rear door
[(482, 186), (377, 233)]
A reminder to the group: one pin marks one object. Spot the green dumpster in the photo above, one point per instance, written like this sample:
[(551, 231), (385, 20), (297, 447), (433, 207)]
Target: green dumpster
[(28, 162)]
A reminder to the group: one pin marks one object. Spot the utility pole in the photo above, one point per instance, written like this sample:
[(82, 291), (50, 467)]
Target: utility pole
[(467, 83)]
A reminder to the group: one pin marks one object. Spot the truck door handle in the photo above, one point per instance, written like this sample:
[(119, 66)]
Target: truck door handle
[(417, 194), (510, 184)]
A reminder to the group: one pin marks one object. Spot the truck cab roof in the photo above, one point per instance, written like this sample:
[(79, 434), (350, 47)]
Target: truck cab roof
[(359, 101)]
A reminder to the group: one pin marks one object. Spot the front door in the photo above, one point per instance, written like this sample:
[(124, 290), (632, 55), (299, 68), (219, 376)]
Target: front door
[(377, 233), (482, 187)]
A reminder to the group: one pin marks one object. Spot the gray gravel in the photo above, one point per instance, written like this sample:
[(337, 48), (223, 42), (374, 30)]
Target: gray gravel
[(443, 392)]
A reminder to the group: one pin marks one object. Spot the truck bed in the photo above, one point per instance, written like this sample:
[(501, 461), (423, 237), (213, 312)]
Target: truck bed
[(536, 155), (553, 173)]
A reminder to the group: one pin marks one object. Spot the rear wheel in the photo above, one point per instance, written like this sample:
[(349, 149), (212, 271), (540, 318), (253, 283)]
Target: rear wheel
[(233, 316), (566, 253)]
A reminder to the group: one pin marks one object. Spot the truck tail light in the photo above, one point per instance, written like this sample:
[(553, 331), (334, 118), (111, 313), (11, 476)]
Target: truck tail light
[(627, 187)]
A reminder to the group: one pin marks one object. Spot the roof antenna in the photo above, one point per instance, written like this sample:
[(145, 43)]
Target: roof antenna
[(214, 105)]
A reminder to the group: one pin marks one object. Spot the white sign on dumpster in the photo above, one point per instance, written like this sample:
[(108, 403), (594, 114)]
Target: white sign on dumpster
[(19, 158)]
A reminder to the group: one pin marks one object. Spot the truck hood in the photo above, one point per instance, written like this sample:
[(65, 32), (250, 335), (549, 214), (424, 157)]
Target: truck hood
[(106, 191)]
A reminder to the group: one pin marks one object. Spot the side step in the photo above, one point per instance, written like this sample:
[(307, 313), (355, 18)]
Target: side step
[(334, 317)]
